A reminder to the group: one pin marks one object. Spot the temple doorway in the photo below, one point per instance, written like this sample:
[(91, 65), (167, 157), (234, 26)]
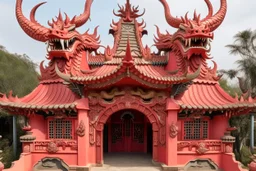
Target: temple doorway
[(127, 131)]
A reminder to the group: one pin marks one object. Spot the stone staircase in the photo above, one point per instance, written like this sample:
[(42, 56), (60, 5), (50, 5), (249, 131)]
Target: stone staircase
[(127, 162)]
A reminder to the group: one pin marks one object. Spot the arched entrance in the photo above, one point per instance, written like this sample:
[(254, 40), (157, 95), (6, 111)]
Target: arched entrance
[(142, 110), (127, 131)]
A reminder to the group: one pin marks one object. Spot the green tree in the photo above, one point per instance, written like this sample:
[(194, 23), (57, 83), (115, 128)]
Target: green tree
[(229, 88), (18, 74), (244, 45), (241, 123)]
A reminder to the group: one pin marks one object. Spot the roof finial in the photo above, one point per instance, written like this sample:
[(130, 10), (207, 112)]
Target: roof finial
[(128, 12)]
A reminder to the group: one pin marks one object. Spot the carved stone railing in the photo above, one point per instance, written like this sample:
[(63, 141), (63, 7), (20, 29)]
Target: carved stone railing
[(1, 164), (199, 146), (54, 146)]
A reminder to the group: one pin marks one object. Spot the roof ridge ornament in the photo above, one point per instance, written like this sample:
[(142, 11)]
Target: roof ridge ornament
[(128, 55), (128, 12)]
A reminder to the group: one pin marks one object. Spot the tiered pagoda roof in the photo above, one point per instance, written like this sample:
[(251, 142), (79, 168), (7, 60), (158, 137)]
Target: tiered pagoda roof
[(126, 63), (128, 59)]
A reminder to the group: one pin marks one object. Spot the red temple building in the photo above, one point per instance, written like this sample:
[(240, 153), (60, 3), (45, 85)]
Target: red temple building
[(127, 99)]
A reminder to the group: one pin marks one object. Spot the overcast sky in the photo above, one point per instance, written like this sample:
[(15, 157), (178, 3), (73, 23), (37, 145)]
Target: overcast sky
[(241, 15)]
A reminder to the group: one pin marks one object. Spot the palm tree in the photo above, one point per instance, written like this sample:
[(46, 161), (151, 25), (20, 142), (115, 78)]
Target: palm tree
[(245, 46)]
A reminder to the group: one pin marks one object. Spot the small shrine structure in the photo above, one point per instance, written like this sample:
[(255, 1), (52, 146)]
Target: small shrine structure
[(128, 99)]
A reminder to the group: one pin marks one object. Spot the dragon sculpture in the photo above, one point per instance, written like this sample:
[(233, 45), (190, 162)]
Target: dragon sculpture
[(190, 46), (66, 48)]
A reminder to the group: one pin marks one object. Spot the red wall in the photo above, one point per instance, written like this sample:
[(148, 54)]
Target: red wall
[(39, 127), (162, 154), (229, 163), (218, 126)]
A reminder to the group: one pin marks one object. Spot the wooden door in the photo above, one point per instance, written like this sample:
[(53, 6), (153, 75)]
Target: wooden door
[(127, 134)]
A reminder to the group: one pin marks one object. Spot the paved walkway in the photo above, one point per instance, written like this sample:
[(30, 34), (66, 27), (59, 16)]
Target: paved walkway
[(127, 162)]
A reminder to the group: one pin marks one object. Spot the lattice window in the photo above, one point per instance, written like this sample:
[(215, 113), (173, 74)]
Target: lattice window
[(205, 129), (116, 130), (196, 129), (60, 129), (138, 133)]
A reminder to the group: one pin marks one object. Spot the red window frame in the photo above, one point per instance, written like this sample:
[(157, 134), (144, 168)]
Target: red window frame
[(63, 128), (202, 120)]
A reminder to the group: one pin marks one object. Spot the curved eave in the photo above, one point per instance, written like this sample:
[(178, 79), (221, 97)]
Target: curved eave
[(210, 97), (146, 74), (227, 107), (45, 97), (24, 108), (157, 75)]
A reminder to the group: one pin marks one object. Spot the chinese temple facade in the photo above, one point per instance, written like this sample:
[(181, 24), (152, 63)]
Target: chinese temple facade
[(128, 99)]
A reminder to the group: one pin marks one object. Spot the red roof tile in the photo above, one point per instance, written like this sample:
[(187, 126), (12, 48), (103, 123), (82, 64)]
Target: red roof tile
[(96, 60), (153, 74), (45, 96), (209, 96)]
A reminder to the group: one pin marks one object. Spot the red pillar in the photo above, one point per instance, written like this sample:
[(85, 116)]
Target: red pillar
[(83, 142), (171, 143), (99, 147)]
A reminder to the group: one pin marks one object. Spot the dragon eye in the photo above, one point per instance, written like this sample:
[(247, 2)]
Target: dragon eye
[(181, 29), (72, 28)]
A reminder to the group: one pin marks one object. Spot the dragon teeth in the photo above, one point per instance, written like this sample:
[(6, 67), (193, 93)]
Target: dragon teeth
[(62, 44)]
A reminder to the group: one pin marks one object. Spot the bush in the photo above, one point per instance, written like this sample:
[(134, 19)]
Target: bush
[(7, 153), (245, 155)]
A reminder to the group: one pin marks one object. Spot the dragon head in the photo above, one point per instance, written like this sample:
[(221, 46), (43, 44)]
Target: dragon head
[(61, 38), (194, 36)]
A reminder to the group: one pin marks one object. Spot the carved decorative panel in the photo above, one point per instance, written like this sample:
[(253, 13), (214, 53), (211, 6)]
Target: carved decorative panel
[(173, 130), (199, 147), (202, 148), (53, 146), (91, 134), (98, 139), (155, 138), (94, 112), (162, 135), (160, 110), (80, 131)]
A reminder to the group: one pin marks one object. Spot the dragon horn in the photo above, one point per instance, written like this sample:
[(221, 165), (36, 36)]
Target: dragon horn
[(215, 21), (210, 10), (32, 29), (174, 22), (80, 20), (33, 12), (65, 77)]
